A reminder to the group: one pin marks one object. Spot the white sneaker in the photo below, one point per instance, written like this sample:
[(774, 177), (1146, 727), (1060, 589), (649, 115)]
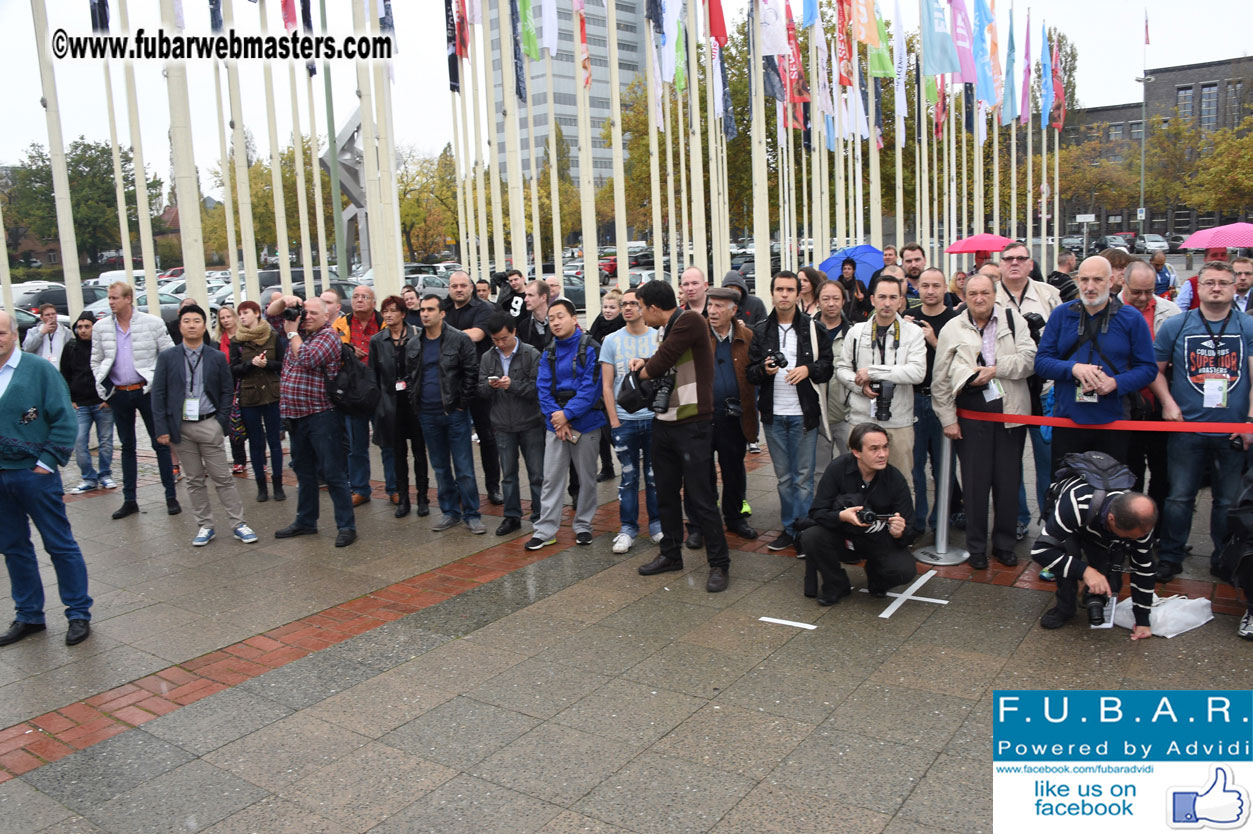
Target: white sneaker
[(622, 542), (656, 537), (85, 486), (205, 536), (754, 449), (244, 533), (108, 483), (1246, 626)]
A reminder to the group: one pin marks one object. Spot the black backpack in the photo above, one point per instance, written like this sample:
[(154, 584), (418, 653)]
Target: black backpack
[(354, 389), (1099, 471)]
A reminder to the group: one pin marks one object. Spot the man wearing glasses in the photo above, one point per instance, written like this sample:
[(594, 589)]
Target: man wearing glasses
[(1244, 280), (1211, 348)]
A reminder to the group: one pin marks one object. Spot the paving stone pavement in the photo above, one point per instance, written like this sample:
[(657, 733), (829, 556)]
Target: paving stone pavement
[(448, 682)]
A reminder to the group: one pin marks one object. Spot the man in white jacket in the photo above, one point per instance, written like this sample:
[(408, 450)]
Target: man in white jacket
[(124, 348), (880, 363), (49, 338)]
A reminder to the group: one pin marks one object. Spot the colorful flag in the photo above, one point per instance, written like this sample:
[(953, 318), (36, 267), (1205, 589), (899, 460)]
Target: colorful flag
[(463, 30), (1146, 27), (941, 106), (584, 57), (799, 87), (530, 44), (717, 23), (864, 29), (450, 34), (985, 87), (1025, 116), (773, 84), (729, 130), (879, 58), (100, 15), (680, 63), (898, 53), (669, 37), (773, 27), (1009, 103), (548, 19), (1046, 72), (824, 72), (306, 22), (961, 40), (994, 50), (843, 55), (1057, 115), (938, 54), (519, 66), (289, 14), (809, 14)]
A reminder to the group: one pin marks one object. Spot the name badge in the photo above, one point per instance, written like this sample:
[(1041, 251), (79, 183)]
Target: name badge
[(1082, 396), (191, 408), (993, 392), (1215, 393), (401, 385)]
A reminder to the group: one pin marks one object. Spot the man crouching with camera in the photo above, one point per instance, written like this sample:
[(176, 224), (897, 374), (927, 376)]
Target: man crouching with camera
[(862, 501), (684, 404)]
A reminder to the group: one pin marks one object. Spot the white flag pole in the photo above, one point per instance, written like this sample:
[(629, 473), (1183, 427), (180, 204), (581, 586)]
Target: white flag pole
[(620, 238), (761, 205), (474, 245), (554, 193), (119, 179), (374, 216), (676, 257), (654, 164), (685, 229), (996, 172), (509, 112), (388, 283), (232, 253), (691, 38), (537, 236), (146, 248), (315, 165), (276, 169), (587, 192), (480, 187), (498, 219), (302, 199), (186, 183), (243, 187)]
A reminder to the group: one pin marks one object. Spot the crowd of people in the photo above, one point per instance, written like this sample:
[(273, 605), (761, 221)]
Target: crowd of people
[(854, 380)]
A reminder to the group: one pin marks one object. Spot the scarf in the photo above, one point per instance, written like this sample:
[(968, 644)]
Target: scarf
[(259, 333)]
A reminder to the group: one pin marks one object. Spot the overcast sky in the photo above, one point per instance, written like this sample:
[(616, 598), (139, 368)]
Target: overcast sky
[(1107, 33)]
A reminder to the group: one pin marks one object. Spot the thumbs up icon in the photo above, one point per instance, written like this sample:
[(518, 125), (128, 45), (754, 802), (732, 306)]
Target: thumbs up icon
[(1221, 805)]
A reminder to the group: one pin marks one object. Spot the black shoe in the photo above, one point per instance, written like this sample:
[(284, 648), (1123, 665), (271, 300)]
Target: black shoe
[(292, 530), (717, 582), (424, 507), (495, 496), (1167, 571), (127, 508), (402, 508), (536, 543), (78, 631), (782, 541), (279, 495), (695, 540), (742, 529), (832, 599), (345, 537), (263, 491), (172, 506), (583, 538), (1009, 559), (979, 562), (605, 475), (509, 525), (660, 565), (18, 630), (1055, 618)]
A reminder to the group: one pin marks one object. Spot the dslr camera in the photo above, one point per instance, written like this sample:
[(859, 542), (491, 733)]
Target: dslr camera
[(295, 313), (662, 390), (1035, 324), (883, 402), (870, 516), (779, 360)]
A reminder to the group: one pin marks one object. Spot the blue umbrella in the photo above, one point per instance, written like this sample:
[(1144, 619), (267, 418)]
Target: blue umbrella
[(867, 257)]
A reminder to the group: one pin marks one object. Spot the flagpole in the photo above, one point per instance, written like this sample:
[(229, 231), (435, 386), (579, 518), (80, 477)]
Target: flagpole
[(480, 187), (979, 213), (316, 168), (654, 164), (302, 199), (372, 247), (841, 192), (144, 214), (276, 169), (1057, 216), (876, 192), (1029, 197), (996, 172), (897, 138), (936, 187), (343, 258), (509, 112), (685, 230), (60, 174), (232, 254), (119, 179), (1013, 179), (699, 234), (922, 218), (790, 194), (676, 259), (1044, 179), (807, 244), (817, 148), (858, 173), (781, 181), (498, 220), (621, 259), (462, 234), (554, 191), (964, 194), (949, 163), (757, 126), (388, 191), (537, 237), (720, 248), (243, 185), (470, 248), (587, 190), (6, 276)]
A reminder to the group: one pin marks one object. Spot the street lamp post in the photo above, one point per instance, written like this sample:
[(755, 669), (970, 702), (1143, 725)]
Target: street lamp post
[(1144, 132)]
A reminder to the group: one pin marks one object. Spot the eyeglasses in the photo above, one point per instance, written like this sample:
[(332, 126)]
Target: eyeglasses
[(1215, 283), (629, 304), (1015, 258)]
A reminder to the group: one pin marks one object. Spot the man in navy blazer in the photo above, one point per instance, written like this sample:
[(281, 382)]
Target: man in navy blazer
[(192, 394)]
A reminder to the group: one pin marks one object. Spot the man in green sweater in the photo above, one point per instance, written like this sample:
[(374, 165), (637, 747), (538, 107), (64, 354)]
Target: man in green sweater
[(38, 427)]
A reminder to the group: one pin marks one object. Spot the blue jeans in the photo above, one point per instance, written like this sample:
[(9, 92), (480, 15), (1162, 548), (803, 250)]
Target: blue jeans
[(633, 444), (1186, 458), (531, 444), (793, 450), (448, 444), (26, 496), (101, 417), (928, 438), (260, 437), (357, 432), (125, 405), (317, 447), (1042, 453)]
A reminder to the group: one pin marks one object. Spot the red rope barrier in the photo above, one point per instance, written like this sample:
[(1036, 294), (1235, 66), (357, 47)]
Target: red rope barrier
[(1117, 425)]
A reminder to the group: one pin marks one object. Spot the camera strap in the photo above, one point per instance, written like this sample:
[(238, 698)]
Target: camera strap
[(883, 347)]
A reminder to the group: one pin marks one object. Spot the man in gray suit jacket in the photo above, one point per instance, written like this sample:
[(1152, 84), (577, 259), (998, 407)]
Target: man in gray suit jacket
[(192, 393)]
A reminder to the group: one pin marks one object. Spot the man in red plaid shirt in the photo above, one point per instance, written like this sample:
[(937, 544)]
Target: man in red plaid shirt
[(314, 426)]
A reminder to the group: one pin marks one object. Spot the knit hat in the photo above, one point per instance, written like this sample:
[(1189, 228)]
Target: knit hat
[(85, 316)]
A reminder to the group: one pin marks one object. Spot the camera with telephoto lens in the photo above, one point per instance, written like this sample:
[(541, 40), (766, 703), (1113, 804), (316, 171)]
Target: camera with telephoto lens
[(661, 396), (870, 516), (296, 312), (1096, 609), (779, 360), (733, 407), (883, 402), (1035, 324)]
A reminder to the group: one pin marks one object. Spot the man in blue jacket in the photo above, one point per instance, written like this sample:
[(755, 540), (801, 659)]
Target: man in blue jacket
[(569, 398), (1098, 352)]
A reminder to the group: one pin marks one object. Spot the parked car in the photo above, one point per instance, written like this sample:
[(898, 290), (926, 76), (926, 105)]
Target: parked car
[(1100, 244), (32, 294), (1176, 242), (344, 288), (572, 288), (169, 308), (1074, 243), (641, 276), (1150, 244), (431, 285), (179, 287)]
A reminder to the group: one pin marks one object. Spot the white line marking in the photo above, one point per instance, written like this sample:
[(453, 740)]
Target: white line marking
[(915, 599), (909, 594), (808, 626)]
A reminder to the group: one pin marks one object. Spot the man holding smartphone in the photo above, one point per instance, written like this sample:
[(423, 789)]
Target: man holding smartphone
[(570, 400)]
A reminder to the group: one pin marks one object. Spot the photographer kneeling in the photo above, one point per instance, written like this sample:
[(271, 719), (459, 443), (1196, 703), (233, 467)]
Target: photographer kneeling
[(862, 500)]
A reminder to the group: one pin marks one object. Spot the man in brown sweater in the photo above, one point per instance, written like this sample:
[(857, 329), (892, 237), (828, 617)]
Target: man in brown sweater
[(682, 442)]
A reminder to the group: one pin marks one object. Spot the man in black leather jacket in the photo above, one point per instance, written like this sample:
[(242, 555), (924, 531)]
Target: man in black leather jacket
[(443, 371)]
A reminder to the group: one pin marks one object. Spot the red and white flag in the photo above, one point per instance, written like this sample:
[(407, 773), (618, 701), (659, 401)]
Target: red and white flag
[(1146, 27), (585, 57)]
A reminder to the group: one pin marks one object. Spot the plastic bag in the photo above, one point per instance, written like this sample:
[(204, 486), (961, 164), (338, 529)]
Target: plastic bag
[(1170, 616)]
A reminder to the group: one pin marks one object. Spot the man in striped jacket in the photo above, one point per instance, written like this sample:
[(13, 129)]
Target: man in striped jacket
[(1081, 541)]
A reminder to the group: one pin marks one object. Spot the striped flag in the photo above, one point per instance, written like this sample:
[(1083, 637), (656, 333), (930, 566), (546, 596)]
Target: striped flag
[(451, 34), (585, 58)]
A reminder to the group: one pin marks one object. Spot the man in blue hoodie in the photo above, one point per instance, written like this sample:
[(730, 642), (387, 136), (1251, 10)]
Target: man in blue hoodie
[(569, 398), (1098, 352)]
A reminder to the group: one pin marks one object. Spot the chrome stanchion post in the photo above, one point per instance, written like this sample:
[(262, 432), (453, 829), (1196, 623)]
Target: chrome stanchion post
[(940, 553)]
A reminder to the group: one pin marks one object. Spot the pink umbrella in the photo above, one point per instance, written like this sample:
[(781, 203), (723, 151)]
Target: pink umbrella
[(1233, 234), (979, 243)]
